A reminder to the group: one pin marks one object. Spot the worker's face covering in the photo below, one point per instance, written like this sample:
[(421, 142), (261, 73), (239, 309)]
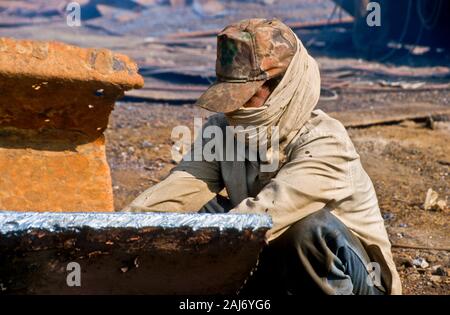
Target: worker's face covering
[(286, 110)]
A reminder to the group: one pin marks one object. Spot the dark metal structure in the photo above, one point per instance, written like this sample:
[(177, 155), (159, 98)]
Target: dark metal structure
[(410, 22), (128, 253)]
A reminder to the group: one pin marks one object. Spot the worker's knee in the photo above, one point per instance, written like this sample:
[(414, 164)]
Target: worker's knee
[(316, 228)]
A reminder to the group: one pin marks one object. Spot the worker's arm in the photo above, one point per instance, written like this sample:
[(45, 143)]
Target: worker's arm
[(180, 191), (189, 186), (318, 173)]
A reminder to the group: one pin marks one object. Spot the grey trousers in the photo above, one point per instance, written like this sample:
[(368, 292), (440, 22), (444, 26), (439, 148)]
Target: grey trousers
[(316, 255)]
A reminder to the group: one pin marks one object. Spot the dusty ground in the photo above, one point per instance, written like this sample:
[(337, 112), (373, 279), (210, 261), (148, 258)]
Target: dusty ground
[(403, 160)]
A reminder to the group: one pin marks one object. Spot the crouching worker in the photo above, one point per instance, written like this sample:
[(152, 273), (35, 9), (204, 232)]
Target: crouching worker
[(328, 235)]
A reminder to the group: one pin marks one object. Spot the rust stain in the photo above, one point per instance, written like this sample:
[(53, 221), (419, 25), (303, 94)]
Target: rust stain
[(52, 119)]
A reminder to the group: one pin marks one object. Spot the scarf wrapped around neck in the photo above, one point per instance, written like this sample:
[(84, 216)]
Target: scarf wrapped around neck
[(289, 106)]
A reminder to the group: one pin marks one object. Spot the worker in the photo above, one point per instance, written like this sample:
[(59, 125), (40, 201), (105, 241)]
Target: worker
[(328, 235)]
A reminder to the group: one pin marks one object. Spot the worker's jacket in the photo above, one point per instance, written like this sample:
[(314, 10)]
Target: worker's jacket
[(322, 169)]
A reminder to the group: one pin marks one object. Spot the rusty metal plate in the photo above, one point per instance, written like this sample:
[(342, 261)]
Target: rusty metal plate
[(128, 253)]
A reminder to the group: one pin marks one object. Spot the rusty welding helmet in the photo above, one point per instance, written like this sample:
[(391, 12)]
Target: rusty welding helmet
[(249, 53)]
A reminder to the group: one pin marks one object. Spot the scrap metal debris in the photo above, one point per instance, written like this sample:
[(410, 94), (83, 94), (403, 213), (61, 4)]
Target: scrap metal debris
[(420, 262), (402, 84), (433, 203), (389, 114)]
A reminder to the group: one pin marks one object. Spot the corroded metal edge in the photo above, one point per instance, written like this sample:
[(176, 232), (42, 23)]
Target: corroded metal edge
[(12, 222), (52, 60)]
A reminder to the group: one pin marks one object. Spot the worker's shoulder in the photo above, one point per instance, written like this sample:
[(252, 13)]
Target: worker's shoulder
[(324, 134), (321, 125), (321, 121)]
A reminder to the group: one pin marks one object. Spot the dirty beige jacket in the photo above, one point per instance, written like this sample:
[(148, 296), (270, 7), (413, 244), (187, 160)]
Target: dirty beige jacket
[(322, 170)]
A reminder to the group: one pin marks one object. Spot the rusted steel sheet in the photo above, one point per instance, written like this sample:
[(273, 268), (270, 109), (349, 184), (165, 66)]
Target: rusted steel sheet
[(393, 113), (55, 101), (128, 253)]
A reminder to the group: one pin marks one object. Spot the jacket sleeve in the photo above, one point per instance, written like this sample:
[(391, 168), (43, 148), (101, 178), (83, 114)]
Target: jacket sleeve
[(187, 188), (316, 175)]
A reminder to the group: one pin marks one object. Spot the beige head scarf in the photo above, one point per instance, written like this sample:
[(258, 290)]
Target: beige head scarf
[(290, 105)]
